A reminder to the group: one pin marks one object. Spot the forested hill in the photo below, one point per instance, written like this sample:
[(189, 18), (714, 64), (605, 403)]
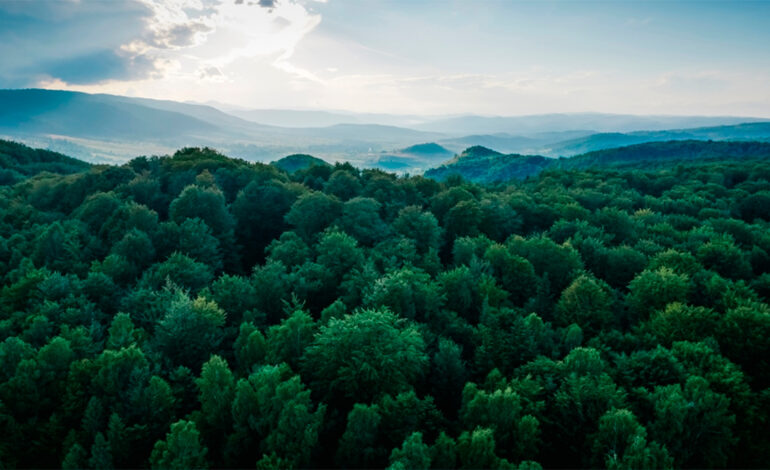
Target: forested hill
[(682, 150), (198, 311), (292, 163), (17, 161), (480, 164), (483, 165)]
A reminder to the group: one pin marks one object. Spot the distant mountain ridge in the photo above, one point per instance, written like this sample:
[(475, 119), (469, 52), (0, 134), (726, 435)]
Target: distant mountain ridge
[(556, 122), (483, 165), (104, 128)]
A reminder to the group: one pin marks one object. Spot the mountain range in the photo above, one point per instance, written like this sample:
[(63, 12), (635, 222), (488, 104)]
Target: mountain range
[(483, 165), (110, 128)]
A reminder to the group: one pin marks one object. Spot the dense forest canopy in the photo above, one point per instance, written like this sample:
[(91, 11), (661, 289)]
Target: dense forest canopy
[(199, 311)]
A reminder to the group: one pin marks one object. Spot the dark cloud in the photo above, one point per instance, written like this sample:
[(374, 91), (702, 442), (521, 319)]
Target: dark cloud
[(262, 3), (74, 41), (100, 66)]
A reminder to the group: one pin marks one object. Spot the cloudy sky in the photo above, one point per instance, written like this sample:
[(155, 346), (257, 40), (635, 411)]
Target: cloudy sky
[(501, 57)]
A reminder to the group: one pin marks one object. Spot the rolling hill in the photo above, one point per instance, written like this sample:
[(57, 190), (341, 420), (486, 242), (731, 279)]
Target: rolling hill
[(744, 131), (292, 163), (416, 157), (112, 129), (17, 161), (115, 128), (483, 165), (480, 164)]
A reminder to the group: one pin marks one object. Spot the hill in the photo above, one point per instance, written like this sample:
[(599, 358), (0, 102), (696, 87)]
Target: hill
[(480, 164), (427, 150), (92, 116), (292, 163), (584, 144), (655, 152), (112, 128), (416, 157), (17, 161)]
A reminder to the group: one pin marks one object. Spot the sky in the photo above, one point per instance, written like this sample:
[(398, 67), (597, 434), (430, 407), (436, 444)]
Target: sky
[(489, 57)]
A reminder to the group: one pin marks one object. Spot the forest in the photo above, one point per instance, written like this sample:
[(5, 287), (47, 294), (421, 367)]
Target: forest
[(199, 311)]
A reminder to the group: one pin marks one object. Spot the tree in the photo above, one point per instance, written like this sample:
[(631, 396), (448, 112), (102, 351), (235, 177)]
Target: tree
[(694, 423), (448, 374), (364, 355), (653, 290), (516, 275), (216, 390), (476, 449), (502, 412), (358, 447), (122, 333), (273, 407), (507, 339), (412, 454), (361, 219), (179, 269), (312, 212), (190, 332), (422, 227), (287, 342), (585, 395), (408, 292), (621, 442), (182, 449), (463, 220), (587, 302), (679, 322), (205, 203), (745, 339), (259, 211), (343, 184), (197, 241), (561, 263)]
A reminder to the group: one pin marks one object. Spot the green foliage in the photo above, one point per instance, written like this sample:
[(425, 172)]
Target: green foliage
[(194, 310), (181, 449), (653, 290), (189, 331), (365, 354), (273, 406), (586, 302)]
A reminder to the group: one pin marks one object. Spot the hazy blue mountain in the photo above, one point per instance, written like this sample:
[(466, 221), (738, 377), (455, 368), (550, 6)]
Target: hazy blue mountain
[(480, 164), (92, 116), (429, 149), (109, 128), (745, 131), (292, 163), (116, 128), (596, 122), (315, 118)]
